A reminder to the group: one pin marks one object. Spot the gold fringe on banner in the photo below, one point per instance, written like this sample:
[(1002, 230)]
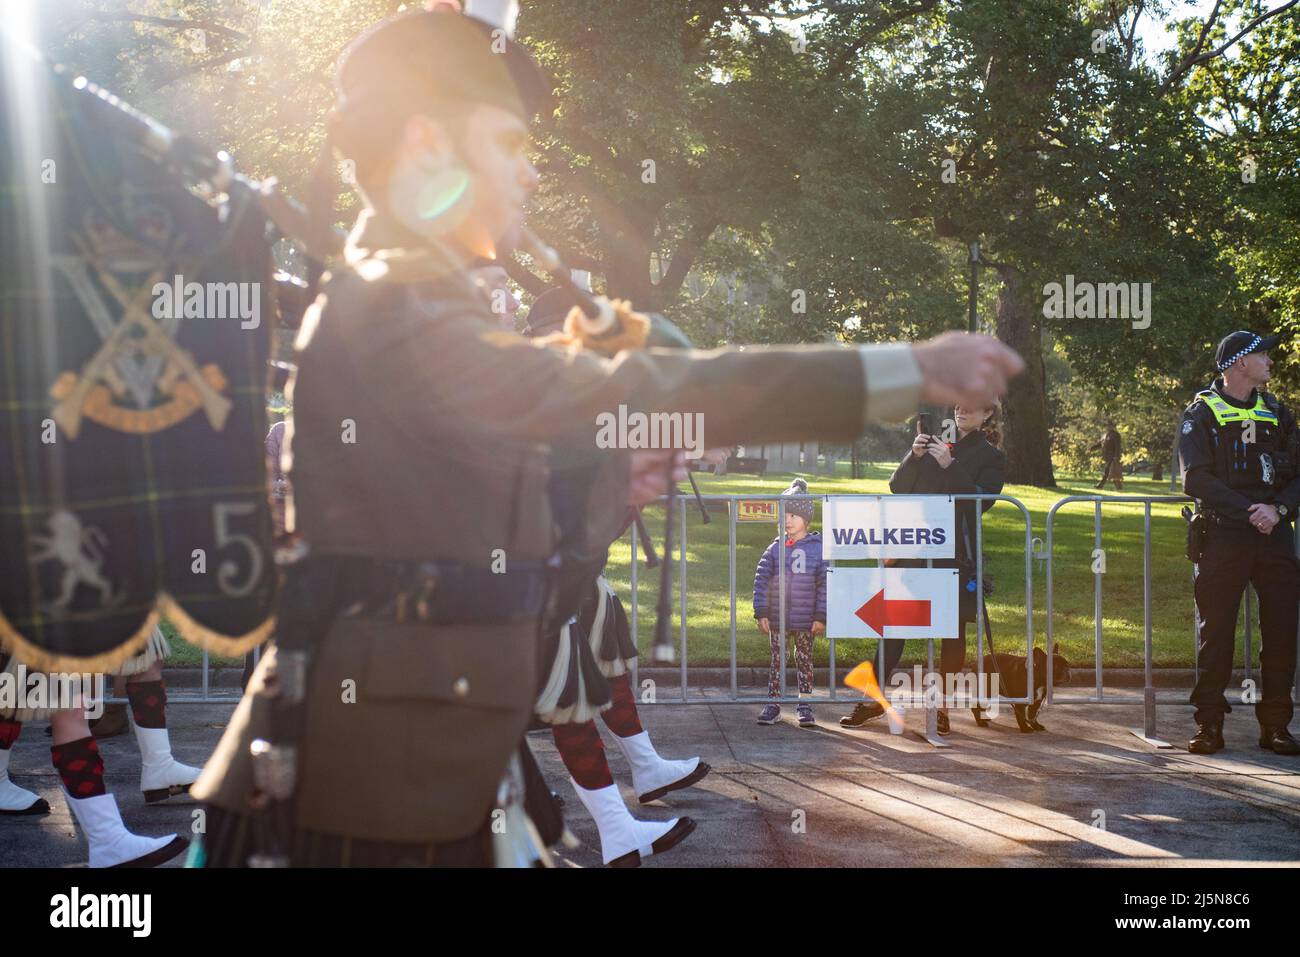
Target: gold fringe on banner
[(197, 634), (37, 658)]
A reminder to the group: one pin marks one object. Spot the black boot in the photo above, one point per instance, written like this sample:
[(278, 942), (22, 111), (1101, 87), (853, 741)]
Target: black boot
[(1209, 736), (863, 712), (1278, 740)]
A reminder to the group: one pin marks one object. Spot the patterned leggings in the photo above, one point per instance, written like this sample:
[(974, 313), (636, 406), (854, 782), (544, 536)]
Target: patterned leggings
[(798, 643)]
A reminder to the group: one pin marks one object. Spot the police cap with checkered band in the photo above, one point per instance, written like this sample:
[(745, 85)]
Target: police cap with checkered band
[(1241, 343)]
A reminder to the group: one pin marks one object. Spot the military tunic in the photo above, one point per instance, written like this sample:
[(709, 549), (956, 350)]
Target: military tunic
[(421, 433)]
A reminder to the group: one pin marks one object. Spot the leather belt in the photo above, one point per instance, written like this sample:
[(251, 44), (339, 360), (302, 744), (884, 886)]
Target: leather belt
[(440, 592)]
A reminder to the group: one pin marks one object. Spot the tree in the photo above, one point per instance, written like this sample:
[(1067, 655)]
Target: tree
[(793, 170)]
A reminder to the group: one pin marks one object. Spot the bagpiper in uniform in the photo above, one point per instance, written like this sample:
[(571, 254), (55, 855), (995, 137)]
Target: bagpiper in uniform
[(587, 659), (407, 638), (1238, 448)]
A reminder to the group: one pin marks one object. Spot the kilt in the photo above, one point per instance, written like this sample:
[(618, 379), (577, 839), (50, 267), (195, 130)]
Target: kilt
[(60, 687)]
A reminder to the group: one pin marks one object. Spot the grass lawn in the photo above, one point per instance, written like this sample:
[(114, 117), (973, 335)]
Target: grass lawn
[(708, 633)]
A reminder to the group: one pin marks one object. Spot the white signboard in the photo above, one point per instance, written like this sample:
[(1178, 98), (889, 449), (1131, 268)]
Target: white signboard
[(888, 526), (892, 603)]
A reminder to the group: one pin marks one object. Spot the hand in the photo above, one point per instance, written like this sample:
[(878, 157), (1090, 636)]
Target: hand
[(648, 480), (818, 628), (765, 626), (1264, 517), (919, 445), (939, 450), (958, 368)]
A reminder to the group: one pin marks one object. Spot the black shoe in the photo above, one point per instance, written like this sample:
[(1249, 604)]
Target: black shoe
[(1209, 737), (178, 845), (941, 721), (863, 712), (681, 831), (1278, 740), (40, 807)]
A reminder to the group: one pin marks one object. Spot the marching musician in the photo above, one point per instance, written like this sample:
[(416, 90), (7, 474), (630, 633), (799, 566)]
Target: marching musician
[(419, 465)]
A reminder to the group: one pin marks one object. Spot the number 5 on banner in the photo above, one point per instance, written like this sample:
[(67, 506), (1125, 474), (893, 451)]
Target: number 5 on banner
[(222, 512)]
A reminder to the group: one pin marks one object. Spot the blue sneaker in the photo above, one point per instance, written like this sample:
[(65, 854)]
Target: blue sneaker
[(769, 714), (806, 717)]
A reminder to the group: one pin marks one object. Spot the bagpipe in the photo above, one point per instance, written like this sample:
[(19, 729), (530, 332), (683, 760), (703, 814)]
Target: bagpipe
[(608, 326)]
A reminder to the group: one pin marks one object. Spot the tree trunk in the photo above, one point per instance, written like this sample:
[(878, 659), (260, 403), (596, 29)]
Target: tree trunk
[(628, 274), (627, 237), (1028, 443), (1158, 471)]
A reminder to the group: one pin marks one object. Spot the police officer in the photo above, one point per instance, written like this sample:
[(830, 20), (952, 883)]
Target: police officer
[(420, 477), (1238, 448)]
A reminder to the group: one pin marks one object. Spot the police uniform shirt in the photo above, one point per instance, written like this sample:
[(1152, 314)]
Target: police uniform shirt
[(1227, 474)]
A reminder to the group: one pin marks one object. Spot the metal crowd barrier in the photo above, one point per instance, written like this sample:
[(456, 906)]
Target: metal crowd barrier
[(685, 503), (1150, 699), (205, 694)]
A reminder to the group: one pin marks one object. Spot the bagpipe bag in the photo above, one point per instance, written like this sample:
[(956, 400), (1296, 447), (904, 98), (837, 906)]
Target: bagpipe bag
[(132, 472)]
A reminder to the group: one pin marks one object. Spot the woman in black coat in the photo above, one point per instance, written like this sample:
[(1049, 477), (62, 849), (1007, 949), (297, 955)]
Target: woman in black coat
[(975, 463)]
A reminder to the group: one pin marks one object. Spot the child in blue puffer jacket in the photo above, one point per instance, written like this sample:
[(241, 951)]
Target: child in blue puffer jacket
[(805, 601)]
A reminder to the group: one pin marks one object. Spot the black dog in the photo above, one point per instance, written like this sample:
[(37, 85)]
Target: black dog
[(1011, 671)]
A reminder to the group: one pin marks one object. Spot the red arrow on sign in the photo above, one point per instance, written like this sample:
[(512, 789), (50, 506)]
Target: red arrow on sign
[(879, 612)]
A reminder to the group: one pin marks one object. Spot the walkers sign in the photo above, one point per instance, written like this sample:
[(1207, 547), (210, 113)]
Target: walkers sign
[(887, 526), (891, 603)]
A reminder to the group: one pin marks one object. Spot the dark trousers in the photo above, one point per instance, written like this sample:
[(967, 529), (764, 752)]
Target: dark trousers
[(1231, 559), (952, 657), (1113, 471)]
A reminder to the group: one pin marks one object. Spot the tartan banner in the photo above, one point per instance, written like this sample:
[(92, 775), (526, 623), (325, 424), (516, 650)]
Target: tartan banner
[(135, 325)]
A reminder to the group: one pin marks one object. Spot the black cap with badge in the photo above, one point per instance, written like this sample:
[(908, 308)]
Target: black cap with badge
[(1238, 344), (417, 58)]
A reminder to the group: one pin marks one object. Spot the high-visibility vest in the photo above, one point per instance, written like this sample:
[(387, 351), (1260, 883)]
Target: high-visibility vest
[(1225, 412)]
